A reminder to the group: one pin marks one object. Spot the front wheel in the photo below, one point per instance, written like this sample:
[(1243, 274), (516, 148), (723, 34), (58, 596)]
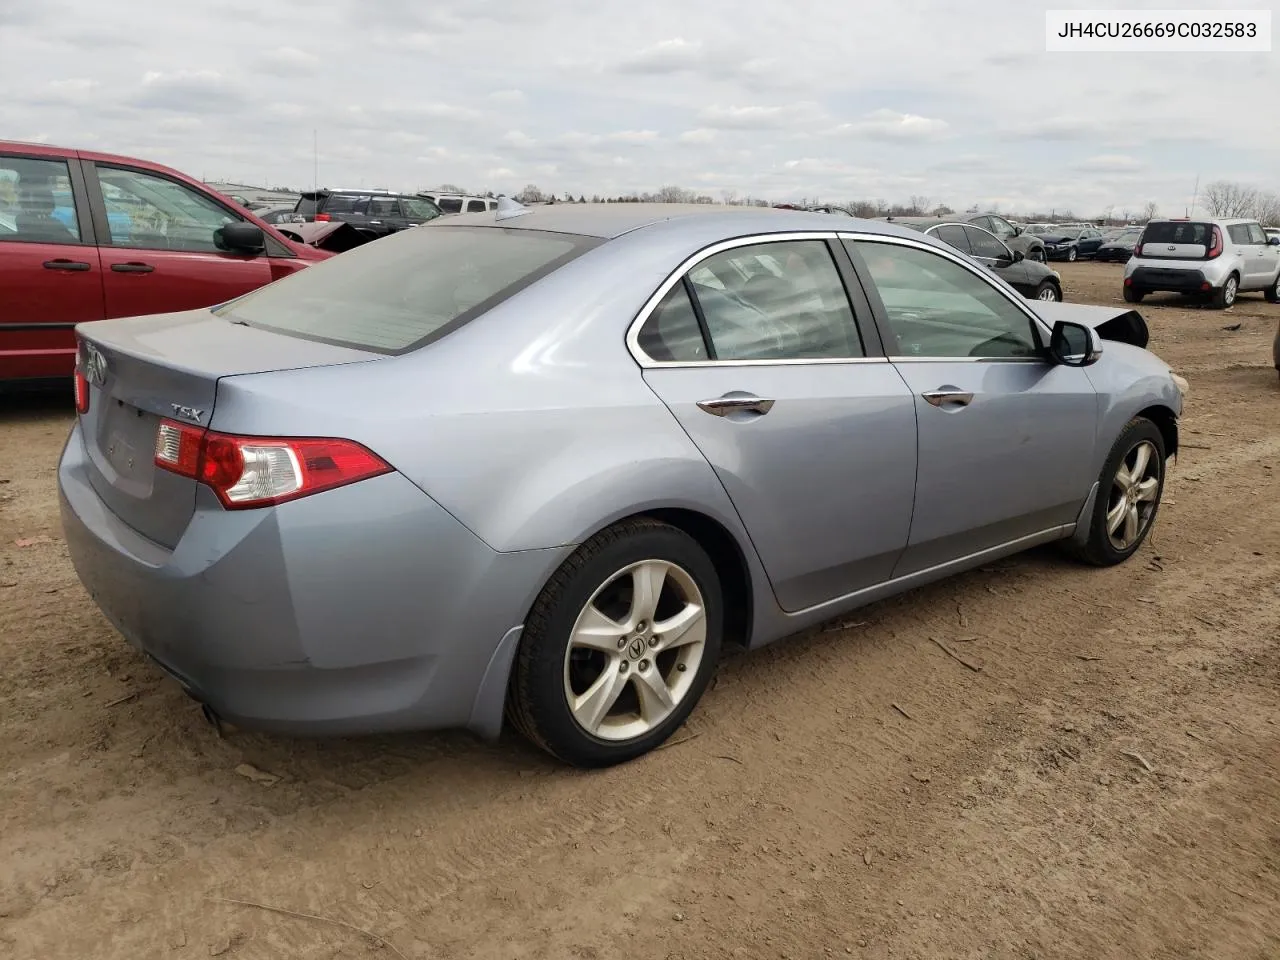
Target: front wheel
[(1129, 492), (1272, 292), (1048, 290), (619, 645), (1072, 255)]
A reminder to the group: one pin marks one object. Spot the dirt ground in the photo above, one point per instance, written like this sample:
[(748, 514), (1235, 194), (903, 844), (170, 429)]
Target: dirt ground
[(1106, 786)]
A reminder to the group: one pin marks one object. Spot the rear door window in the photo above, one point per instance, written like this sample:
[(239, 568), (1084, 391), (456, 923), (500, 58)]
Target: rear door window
[(984, 245), (384, 207), (955, 235), (346, 203), (36, 203), (475, 206), (408, 289), (450, 204), (1239, 233)]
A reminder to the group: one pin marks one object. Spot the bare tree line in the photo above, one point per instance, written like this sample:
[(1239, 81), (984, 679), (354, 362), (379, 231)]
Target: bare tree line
[(1222, 198), (1226, 198)]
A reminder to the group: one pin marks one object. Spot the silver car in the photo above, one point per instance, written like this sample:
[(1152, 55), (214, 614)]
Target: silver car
[(1215, 259), (550, 462)]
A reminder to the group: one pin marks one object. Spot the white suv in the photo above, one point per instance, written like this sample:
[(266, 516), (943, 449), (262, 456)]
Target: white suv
[(1213, 258)]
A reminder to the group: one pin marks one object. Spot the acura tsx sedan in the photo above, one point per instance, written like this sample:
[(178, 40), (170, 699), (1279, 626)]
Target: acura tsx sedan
[(546, 464)]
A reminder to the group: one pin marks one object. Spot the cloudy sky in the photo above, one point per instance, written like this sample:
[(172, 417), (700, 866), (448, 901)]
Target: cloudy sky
[(830, 99)]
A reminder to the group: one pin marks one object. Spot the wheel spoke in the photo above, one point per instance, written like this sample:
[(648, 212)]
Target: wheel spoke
[(687, 626), (592, 707), (595, 631), (1131, 524), (1147, 490), (1124, 480), (655, 696), (1115, 516), (1142, 457), (646, 587)]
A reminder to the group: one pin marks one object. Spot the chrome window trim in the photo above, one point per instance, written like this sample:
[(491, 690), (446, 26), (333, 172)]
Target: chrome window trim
[(1018, 301), (648, 363)]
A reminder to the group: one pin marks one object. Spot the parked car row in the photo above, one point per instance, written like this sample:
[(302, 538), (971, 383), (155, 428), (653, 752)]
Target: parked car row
[(1031, 278)]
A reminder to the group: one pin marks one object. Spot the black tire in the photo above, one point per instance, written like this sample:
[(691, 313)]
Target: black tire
[(1133, 296), (1048, 286), (1097, 548), (1272, 293), (537, 704), (1226, 294)]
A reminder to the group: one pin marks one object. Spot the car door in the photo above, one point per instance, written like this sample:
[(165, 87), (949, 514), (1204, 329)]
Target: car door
[(384, 213), (1268, 256), (50, 275), (757, 353), (1006, 437), (157, 244)]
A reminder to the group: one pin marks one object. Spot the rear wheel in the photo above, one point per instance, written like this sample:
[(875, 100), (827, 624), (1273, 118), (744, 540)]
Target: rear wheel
[(619, 645), (1048, 290), (1133, 296), (1129, 492), (1225, 295)]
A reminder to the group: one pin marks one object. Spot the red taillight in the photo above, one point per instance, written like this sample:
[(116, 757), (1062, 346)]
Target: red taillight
[(323, 218), (82, 393), (1215, 245), (261, 471)]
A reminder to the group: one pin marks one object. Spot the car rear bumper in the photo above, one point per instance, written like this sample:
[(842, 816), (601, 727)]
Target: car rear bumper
[(361, 609), (1175, 279)]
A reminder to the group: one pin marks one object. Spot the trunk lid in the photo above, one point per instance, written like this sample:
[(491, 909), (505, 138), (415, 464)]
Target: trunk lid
[(145, 369), (1176, 240)]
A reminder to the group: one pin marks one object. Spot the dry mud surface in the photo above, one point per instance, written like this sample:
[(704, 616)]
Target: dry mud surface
[(1108, 786)]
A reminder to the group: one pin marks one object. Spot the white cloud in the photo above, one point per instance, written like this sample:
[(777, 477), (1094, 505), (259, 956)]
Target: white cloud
[(698, 135), (1111, 163), (887, 124)]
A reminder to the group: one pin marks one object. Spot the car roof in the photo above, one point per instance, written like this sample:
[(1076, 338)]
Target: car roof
[(610, 220)]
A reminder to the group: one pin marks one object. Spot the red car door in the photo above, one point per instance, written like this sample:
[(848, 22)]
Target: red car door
[(158, 254), (50, 278)]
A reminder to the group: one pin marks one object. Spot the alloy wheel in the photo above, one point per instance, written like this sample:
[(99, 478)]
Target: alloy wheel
[(1229, 291), (634, 650), (1072, 254), (1048, 292), (1135, 491)]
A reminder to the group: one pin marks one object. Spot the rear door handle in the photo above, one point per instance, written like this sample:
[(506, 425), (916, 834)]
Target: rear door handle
[(958, 398), (735, 403), (132, 267), (78, 266)]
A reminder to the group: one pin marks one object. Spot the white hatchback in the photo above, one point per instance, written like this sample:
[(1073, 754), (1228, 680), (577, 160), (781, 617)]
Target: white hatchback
[(1213, 258)]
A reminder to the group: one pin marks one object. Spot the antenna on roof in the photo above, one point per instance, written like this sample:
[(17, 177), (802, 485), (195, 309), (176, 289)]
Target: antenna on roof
[(508, 208)]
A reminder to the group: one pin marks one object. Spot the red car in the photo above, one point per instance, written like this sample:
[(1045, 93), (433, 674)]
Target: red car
[(91, 236)]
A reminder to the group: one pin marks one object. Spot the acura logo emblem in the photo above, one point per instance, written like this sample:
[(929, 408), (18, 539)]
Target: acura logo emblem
[(636, 649), (95, 365)]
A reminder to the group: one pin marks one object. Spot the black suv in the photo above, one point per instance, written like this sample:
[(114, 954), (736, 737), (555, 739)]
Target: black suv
[(374, 213)]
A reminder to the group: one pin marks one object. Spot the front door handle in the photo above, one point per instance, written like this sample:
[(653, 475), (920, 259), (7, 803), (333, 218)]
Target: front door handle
[(78, 266), (949, 397), (132, 267), (736, 403)]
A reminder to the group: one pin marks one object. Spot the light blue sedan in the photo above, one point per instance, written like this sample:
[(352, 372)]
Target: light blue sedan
[(548, 463)]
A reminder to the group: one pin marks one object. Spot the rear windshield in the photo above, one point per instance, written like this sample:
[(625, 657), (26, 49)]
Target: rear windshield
[(408, 289), (1180, 232), (306, 206)]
